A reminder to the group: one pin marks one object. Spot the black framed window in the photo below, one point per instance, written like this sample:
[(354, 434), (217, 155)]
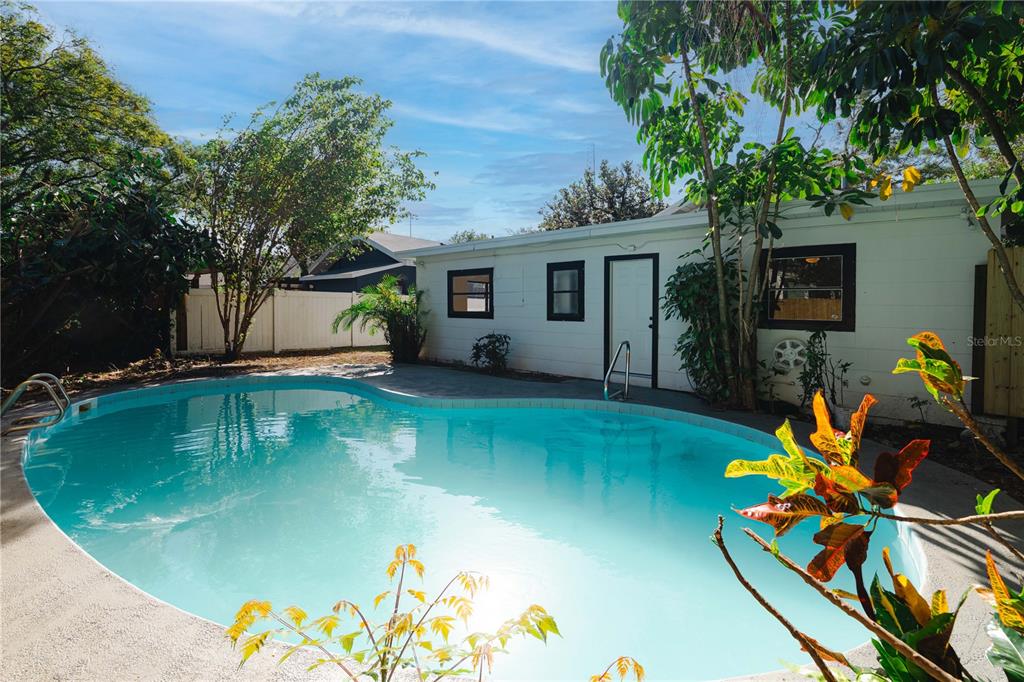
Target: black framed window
[(471, 293), (811, 287), (565, 291)]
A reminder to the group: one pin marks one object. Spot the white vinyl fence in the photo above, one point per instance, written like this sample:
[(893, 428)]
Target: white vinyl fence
[(288, 320)]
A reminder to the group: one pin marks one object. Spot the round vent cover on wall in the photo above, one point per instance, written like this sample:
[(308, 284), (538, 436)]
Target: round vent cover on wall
[(790, 354)]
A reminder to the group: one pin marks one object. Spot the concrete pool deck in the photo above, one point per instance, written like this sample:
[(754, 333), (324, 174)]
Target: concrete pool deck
[(66, 617)]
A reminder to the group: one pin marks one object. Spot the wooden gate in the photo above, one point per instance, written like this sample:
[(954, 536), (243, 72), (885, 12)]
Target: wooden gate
[(1004, 340)]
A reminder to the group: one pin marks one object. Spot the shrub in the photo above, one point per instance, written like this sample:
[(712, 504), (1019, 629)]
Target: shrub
[(491, 352), (401, 318), (415, 638), (691, 296), (822, 374), (912, 632)]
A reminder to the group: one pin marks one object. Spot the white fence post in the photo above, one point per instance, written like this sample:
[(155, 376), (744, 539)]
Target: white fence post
[(274, 323)]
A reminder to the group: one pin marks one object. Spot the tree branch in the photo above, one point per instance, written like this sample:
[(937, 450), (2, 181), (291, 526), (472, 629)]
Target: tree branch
[(804, 640), (978, 519), (892, 640)]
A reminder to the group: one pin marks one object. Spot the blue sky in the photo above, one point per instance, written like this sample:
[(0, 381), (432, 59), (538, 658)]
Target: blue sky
[(505, 98)]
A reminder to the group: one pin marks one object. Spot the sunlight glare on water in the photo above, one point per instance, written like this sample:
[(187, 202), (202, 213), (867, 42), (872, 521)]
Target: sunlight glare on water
[(300, 495)]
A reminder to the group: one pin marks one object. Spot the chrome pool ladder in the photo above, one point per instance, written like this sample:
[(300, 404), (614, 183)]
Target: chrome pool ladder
[(58, 395), (624, 392)]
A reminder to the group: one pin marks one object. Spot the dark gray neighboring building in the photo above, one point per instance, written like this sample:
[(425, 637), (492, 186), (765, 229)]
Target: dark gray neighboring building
[(381, 255)]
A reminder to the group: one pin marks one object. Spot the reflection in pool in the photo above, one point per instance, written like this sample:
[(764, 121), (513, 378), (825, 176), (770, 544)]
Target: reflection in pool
[(298, 493)]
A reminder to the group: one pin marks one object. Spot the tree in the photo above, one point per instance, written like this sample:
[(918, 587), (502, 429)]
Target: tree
[(615, 193), (659, 70), (93, 256), (66, 120), (300, 179), (468, 235), (937, 74), (94, 270)]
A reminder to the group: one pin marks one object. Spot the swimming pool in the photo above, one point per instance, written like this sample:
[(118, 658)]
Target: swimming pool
[(297, 490)]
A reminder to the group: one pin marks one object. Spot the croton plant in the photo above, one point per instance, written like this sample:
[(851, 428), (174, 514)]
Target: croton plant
[(834, 489)]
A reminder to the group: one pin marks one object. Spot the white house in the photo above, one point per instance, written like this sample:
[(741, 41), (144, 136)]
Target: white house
[(568, 297)]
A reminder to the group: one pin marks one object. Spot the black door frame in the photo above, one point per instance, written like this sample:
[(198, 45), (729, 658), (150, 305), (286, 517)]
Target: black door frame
[(654, 309)]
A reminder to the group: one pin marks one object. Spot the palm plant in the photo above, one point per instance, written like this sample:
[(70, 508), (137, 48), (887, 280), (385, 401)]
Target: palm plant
[(383, 307)]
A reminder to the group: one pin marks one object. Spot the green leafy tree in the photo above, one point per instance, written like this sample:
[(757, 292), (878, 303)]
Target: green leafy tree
[(382, 307), (937, 74), (469, 235), (614, 193), (300, 179), (660, 71), (93, 271), (66, 120)]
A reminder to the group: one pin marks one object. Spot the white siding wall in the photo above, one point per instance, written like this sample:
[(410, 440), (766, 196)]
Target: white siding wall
[(288, 320), (520, 306), (915, 271)]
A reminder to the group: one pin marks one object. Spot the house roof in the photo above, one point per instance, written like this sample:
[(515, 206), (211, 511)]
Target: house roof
[(391, 243), (386, 242), (684, 216), (351, 274)]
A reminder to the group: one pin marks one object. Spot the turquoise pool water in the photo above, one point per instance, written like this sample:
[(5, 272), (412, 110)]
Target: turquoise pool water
[(298, 492)]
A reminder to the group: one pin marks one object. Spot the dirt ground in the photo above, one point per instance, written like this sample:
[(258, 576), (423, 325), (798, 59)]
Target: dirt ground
[(161, 368)]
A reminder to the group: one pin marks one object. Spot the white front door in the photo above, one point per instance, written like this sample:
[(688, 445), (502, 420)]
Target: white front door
[(630, 291)]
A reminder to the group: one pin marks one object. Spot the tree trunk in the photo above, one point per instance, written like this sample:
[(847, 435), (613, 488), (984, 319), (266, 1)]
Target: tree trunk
[(714, 227), (991, 119), (748, 315), (997, 245)]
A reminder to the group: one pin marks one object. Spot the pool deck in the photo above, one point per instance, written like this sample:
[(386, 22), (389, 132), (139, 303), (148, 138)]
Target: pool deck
[(65, 617)]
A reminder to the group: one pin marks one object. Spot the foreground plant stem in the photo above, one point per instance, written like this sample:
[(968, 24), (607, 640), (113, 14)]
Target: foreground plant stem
[(1003, 541), (977, 519), (964, 415), (892, 640), (330, 657), (805, 641)]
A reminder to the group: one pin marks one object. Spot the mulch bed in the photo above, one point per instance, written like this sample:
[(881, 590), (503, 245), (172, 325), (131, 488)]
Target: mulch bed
[(948, 448)]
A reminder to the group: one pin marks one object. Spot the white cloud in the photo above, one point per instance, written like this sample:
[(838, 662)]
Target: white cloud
[(494, 120), (526, 42), (574, 106)]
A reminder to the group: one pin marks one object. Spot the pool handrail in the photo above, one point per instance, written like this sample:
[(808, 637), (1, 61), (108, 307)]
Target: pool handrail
[(47, 382), (624, 391)]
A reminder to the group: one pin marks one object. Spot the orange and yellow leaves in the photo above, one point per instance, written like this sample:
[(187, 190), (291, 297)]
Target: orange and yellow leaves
[(940, 373), (405, 555), (906, 591), (380, 597), (841, 541), (795, 470), (939, 604), (883, 182), (1007, 608), (623, 667), (252, 645), (442, 626), (246, 616), (472, 582), (783, 514), (896, 469), (296, 615), (911, 178), (326, 624), (835, 446)]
